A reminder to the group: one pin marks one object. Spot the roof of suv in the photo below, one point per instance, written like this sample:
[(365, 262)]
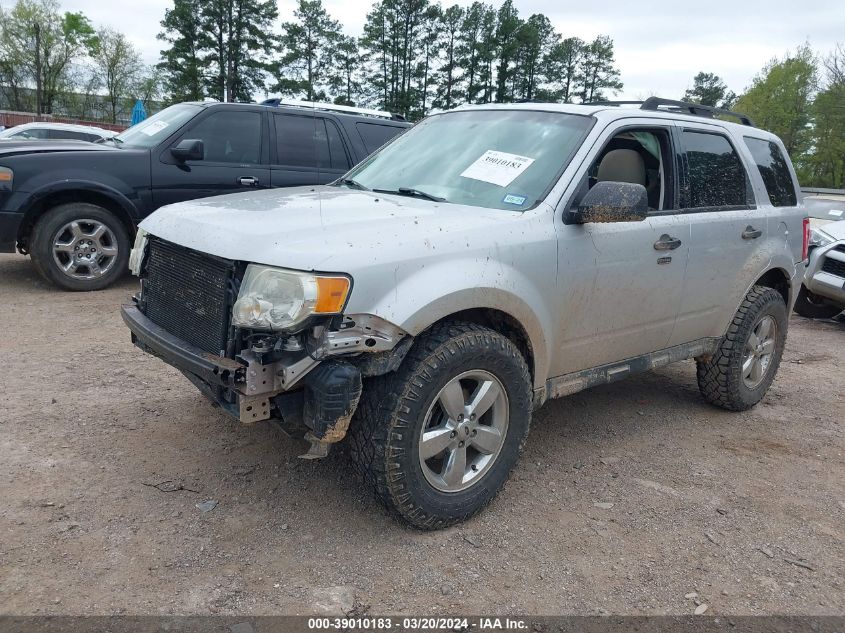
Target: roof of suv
[(606, 113), (372, 116)]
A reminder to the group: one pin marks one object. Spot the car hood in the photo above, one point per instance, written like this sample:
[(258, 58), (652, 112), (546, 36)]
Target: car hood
[(11, 147), (836, 230), (825, 208), (323, 228)]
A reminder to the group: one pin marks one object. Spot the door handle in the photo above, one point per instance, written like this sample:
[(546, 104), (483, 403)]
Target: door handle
[(750, 233), (667, 243), (248, 181)]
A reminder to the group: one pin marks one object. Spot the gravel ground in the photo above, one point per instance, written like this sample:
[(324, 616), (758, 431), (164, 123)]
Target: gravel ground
[(633, 498)]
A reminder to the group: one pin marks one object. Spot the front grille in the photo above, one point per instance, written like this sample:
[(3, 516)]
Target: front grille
[(185, 292), (840, 248), (834, 267)]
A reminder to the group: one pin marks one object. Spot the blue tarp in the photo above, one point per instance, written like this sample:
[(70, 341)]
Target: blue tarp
[(139, 112)]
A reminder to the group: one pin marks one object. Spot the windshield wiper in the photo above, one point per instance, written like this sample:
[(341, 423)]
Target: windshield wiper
[(354, 184), (412, 193), (113, 139)]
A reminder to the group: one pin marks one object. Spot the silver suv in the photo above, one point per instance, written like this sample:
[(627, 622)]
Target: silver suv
[(491, 258)]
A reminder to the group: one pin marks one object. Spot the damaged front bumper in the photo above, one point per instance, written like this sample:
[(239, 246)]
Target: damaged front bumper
[(313, 391), (318, 396)]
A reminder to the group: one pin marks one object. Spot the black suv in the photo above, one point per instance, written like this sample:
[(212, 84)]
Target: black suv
[(74, 206)]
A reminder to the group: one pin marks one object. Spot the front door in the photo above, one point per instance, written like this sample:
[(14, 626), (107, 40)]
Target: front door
[(235, 160), (621, 282)]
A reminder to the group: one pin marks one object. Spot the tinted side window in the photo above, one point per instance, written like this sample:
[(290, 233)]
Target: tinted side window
[(774, 170), (69, 134), (374, 135), (337, 153), (297, 141), (229, 137), (717, 177)]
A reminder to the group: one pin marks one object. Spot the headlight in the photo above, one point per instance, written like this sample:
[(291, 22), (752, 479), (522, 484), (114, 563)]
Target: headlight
[(136, 256), (277, 299), (819, 237)]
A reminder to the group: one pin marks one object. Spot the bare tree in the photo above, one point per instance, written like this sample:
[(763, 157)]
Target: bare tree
[(117, 64)]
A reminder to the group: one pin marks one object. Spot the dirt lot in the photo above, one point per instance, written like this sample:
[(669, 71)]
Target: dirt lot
[(746, 511)]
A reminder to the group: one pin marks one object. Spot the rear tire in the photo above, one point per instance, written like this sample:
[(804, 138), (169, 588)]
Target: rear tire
[(813, 307), (434, 480), (80, 246), (742, 369)]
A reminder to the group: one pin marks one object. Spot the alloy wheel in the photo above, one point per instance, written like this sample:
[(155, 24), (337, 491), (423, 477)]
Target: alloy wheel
[(464, 431), (85, 249), (759, 351)]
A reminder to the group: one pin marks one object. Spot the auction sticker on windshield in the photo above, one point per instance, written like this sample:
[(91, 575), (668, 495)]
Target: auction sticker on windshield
[(154, 128), (497, 168)]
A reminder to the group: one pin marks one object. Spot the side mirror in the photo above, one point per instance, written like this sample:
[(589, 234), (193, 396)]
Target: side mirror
[(613, 202), (188, 149)]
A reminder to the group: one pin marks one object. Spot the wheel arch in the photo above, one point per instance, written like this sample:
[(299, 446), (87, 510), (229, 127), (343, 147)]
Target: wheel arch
[(777, 279), (48, 198), (501, 322)]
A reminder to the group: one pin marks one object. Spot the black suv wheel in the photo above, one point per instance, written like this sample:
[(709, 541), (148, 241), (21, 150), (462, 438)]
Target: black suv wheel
[(80, 246), (438, 438)]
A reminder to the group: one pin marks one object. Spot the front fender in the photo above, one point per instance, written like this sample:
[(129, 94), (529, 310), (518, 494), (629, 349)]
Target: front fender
[(421, 297), (118, 194)]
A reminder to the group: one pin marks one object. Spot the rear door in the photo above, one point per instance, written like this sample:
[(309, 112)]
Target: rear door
[(236, 157), (728, 231), (308, 150)]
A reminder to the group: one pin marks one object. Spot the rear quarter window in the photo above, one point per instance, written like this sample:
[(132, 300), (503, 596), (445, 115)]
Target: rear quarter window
[(374, 135), (774, 170)]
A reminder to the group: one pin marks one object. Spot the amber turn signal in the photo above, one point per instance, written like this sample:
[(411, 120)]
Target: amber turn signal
[(331, 294)]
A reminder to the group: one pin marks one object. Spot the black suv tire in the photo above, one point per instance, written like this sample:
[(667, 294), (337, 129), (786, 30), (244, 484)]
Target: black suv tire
[(80, 246), (386, 441), (723, 379), (809, 305)]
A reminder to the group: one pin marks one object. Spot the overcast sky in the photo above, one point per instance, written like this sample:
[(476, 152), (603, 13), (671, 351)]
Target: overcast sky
[(660, 46)]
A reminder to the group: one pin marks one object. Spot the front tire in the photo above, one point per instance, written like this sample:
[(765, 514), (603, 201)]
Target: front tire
[(742, 369), (80, 246), (813, 307), (437, 438)]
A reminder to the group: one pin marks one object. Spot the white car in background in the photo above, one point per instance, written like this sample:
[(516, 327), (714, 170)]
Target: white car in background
[(822, 294), (56, 131)]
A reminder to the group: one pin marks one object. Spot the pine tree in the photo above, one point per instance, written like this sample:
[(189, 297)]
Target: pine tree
[(709, 89), (182, 63), (468, 48), (309, 45), (343, 78), (237, 36), (508, 26), (560, 70), (597, 72), (536, 38), (397, 51), (448, 78)]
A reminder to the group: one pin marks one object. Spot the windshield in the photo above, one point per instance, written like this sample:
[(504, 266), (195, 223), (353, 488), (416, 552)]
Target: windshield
[(501, 159), (152, 131)]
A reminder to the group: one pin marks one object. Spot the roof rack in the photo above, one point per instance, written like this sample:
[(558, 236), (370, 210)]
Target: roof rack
[(313, 105), (695, 109)]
